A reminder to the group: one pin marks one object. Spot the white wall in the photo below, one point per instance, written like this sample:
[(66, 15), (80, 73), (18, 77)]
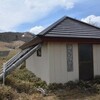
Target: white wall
[(58, 63), (39, 65), (52, 66), (96, 59)]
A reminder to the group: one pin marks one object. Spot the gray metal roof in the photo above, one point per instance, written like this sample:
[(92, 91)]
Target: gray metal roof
[(72, 28)]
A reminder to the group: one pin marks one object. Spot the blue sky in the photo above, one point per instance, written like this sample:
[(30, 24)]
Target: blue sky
[(36, 15)]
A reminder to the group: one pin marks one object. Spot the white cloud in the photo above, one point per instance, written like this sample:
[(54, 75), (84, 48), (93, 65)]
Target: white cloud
[(92, 19), (36, 29), (16, 12)]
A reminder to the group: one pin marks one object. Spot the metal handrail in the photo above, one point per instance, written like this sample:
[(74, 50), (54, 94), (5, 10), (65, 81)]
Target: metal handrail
[(10, 62), (14, 57), (13, 62)]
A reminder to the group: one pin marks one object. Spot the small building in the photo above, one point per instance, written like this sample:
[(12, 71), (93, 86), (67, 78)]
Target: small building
[(70, 50)]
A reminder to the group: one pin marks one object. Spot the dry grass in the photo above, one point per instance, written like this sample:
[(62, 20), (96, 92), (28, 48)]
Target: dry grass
[(3, 46), (11, 94), (7, 46)]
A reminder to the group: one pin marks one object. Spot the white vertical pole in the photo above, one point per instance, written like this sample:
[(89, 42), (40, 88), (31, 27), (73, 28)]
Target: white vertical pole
[(4, 69)]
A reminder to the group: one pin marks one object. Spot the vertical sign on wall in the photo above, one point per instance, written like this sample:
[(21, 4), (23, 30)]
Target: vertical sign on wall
[(69, 57)]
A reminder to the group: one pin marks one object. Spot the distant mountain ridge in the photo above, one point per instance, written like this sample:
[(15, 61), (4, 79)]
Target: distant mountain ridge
[(16, 36)]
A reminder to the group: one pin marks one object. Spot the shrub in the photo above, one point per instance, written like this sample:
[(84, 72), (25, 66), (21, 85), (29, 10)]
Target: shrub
[(20, 86), (83, 86), (24, 74), (24, 81), (7, 93), (96, 79), (55, 86), (41, 84), (71, 84), (87, 86), (23, 65)]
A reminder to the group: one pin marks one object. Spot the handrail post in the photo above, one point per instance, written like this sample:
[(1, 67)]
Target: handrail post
[(4, 72)]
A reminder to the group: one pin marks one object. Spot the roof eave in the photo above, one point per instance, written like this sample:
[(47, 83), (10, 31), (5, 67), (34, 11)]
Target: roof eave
[(36, 40)]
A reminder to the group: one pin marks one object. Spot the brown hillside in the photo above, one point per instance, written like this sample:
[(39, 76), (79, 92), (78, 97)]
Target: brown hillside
[(15, 36)]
